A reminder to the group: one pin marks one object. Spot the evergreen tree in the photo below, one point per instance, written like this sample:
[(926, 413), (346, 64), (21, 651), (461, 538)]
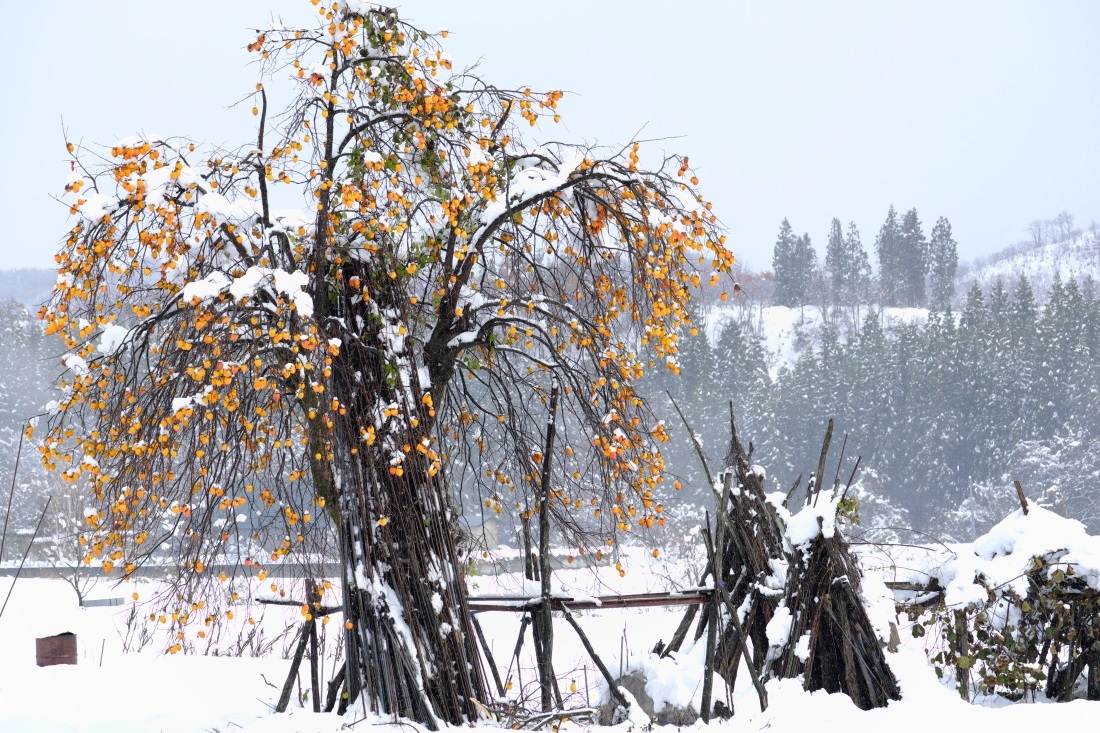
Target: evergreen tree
[(1089, 412), (891, 270), (846, 264), (934, 415), (836, 263), (905, 363), (805, 267), (741, 376), (1064, 322), (859, 273), (871, 410), (1075, 359), (973, 389), (914, 260), (1049, 361), (787, 287), (703, 404), (830, 392), (798, 419), (1028, 391), (943, 256), (999, 410), (1083, 390), (794, 263)]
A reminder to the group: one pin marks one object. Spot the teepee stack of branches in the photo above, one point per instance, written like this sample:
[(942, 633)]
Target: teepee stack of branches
[(832, 643), (746, 540), (842, 652)]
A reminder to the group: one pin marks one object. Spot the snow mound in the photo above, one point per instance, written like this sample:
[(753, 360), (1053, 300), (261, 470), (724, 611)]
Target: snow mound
[(1002, 558)]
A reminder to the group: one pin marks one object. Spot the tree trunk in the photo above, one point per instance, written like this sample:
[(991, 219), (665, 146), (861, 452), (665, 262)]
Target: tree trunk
[(411, 648), (414, 653)]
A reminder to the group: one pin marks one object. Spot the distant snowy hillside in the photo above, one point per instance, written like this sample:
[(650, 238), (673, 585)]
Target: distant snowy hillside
[(788, 332), (30, 286), (1077, 258)]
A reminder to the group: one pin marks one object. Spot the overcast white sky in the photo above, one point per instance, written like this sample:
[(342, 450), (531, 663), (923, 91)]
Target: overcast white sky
[(983, 112)]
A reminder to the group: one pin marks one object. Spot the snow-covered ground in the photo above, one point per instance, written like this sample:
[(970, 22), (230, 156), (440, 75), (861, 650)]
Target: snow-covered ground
[(109, 690), (787, 331)]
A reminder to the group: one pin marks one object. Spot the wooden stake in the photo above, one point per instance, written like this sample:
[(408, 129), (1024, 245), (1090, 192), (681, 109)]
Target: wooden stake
[(334, 687), (314, 669), (712, 629), (821, 461), (1020, 495), (612, 687), (839, 463), (962, 647), (314, 662), (296, 662), (794, 488), (754, 674), (544, 622), (488, 654), (851, 478)]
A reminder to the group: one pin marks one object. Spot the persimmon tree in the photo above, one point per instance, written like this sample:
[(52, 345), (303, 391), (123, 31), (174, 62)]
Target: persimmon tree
[(312, 328)]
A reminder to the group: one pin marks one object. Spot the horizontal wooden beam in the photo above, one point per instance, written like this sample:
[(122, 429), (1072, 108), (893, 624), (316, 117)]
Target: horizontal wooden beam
[(918, 587), (322, 611), (640, 600)]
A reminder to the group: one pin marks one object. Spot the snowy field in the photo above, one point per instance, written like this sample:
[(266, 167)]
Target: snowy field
[(786, 331), (148, 690)]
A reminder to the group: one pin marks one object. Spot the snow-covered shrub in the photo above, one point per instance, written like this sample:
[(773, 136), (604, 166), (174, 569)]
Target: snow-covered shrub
[(1027, 594)]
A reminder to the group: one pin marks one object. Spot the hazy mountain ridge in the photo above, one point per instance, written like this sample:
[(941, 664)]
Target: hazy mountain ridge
[(30, 286)]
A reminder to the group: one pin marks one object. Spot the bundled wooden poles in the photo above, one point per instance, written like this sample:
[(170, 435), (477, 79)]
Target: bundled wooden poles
[(411, 650), (832, 642), (822, 631)]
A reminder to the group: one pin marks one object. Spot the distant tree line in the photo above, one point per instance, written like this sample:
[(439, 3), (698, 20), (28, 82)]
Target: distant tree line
[(938, 410), (1046, 231), (29, 366), (913, 270)]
